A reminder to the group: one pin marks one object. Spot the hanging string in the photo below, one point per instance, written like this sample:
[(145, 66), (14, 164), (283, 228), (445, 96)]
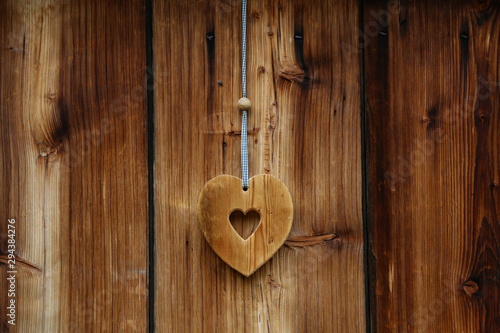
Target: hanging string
[(244, 47), (244, 138)]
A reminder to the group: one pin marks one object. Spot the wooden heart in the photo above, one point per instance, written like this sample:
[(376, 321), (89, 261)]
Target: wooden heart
[(268, 196)]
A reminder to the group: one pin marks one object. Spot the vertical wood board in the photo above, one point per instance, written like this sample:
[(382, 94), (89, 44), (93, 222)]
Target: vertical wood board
[(304, 128), (73, 164), (432, 101)]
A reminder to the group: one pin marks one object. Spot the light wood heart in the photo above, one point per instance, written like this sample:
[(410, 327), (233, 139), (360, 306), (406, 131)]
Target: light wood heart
[(268, 196)]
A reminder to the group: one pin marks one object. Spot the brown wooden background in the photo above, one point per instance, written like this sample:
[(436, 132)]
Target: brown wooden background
[(381, 117)]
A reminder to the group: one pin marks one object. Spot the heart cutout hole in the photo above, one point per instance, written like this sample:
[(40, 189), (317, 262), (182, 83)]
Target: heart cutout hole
[(245, 224)]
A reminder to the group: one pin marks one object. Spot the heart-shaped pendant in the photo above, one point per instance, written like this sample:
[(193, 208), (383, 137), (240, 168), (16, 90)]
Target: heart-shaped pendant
[(267, 195)]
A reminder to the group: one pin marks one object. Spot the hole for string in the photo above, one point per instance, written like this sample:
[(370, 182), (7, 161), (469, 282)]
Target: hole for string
[(245, 224)]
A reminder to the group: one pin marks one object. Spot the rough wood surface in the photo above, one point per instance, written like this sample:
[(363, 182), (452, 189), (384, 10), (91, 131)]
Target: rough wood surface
[(432, 102), (73, 164), (267, 196), (304, 128)]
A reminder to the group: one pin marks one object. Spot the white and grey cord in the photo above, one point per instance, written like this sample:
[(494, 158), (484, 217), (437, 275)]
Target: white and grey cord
[(244, 138)]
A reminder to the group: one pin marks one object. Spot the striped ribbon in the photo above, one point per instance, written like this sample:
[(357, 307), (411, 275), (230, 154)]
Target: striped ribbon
[(244, 138)]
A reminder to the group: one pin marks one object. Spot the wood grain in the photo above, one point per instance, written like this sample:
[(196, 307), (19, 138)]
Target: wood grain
[(73, 167), (432, 101), (304, 128), (74, 175), (267, 196)]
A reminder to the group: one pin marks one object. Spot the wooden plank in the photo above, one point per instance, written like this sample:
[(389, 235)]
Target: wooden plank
[(304, 128), (432, 101), (73, 164)]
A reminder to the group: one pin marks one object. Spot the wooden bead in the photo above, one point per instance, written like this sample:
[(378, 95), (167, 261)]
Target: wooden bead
[(244, 104)]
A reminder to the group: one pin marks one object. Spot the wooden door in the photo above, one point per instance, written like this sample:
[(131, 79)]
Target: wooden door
[(381, 118)]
